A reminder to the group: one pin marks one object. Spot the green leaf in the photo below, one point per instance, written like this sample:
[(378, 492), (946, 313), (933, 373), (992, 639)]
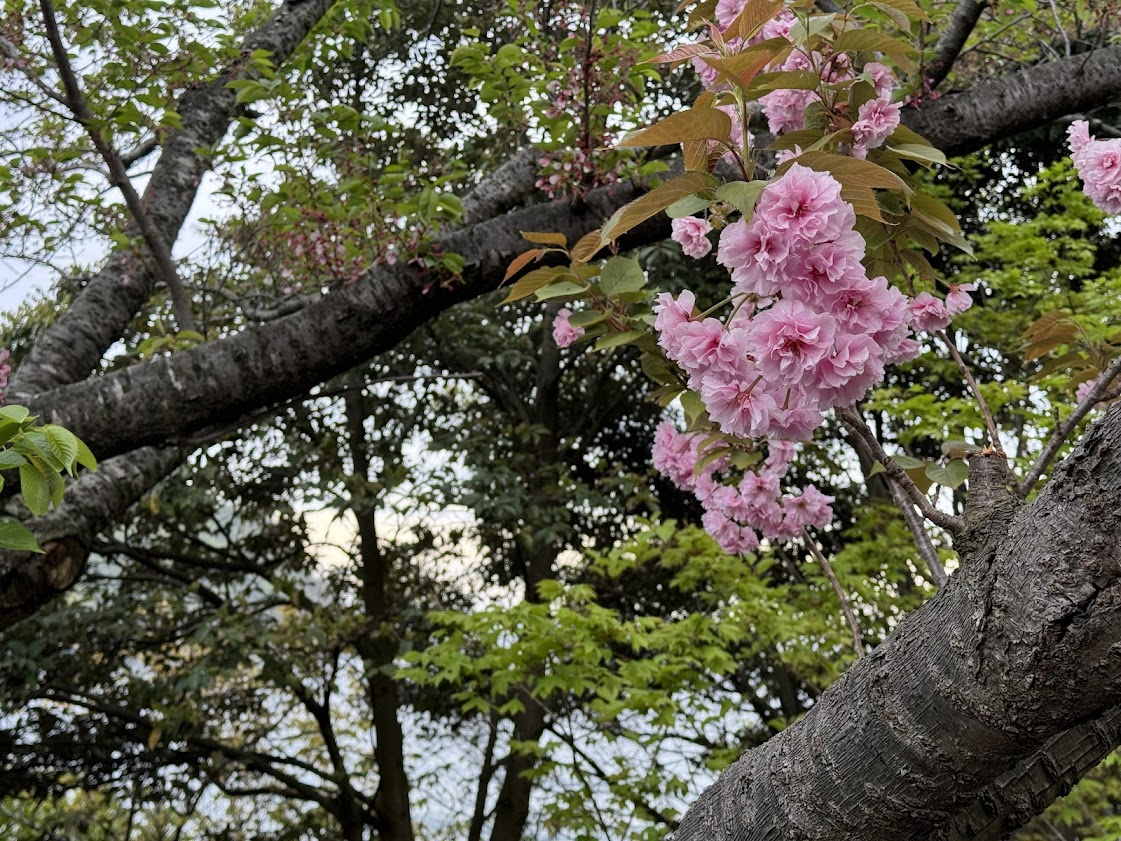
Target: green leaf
[(877, 469), (63, 444), (687, 206), (952, 475), (867, 40), (564, 289), (18, 537), (918, 152), (615, 339), (14, 413), (10, 459), (85, 456), (742, 195), (621, 275), (35, 489)]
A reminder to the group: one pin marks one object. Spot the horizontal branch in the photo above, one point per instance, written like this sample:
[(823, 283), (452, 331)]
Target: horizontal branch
[(1004, 106), (221, 381)]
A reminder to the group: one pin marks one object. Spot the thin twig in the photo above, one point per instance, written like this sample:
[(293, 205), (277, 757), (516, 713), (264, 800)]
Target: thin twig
[(12, 52), (1061, 28), (846, 605), (76, 102), (852, 419), (1064, 429), (922, 539), (990, 424)]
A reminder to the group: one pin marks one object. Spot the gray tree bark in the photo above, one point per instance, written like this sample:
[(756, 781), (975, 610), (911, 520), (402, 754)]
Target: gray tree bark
[(1020, 647)]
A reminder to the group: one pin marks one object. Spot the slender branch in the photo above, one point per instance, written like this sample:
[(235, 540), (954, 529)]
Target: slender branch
[(990, 424), (922, 540), (1096, 394), (181, 302), (8, 49), (950, 42), (852, 419), (141, 151), (842, 596)]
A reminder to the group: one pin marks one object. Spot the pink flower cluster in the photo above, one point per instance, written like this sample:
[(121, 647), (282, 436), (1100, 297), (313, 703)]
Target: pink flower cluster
[(785, 108), (738, 513), (1099, 166), (810, 330)]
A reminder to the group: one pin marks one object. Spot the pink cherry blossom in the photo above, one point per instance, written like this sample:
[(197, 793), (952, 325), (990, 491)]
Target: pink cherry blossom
[(672, 311), (732, 538), (810, 508), (564, 334), (928, 313), (789, 340), (785, 109), (883, 78), (1084, 389), (1099, 166), (878, 118), (736, 405), (855, 365), (958, 300), (806, 205), (755, 256), (691, 233)]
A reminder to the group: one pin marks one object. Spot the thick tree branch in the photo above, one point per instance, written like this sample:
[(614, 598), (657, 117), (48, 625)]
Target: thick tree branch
[(94, 501), (952, 40), (964, 122), (1017, 649), (73, 346), (260, 366)]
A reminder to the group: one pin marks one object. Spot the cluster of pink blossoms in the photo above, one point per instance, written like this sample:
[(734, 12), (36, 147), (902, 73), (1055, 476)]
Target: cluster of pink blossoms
[(809, 331), (1099, 166), (737, 514)]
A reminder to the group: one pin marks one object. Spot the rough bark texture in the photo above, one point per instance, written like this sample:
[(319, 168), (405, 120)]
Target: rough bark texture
[(1019, 647), (964, 122), (73, 347)]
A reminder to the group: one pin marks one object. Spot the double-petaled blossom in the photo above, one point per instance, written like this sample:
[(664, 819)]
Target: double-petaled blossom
[(877, 119), (564, 333), (1099, 166), (929, 313), (958, 299), (691, 233)]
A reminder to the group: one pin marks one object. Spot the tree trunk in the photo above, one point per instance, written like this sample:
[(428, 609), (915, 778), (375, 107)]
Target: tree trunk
[(379, 648), (1020, 646)]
